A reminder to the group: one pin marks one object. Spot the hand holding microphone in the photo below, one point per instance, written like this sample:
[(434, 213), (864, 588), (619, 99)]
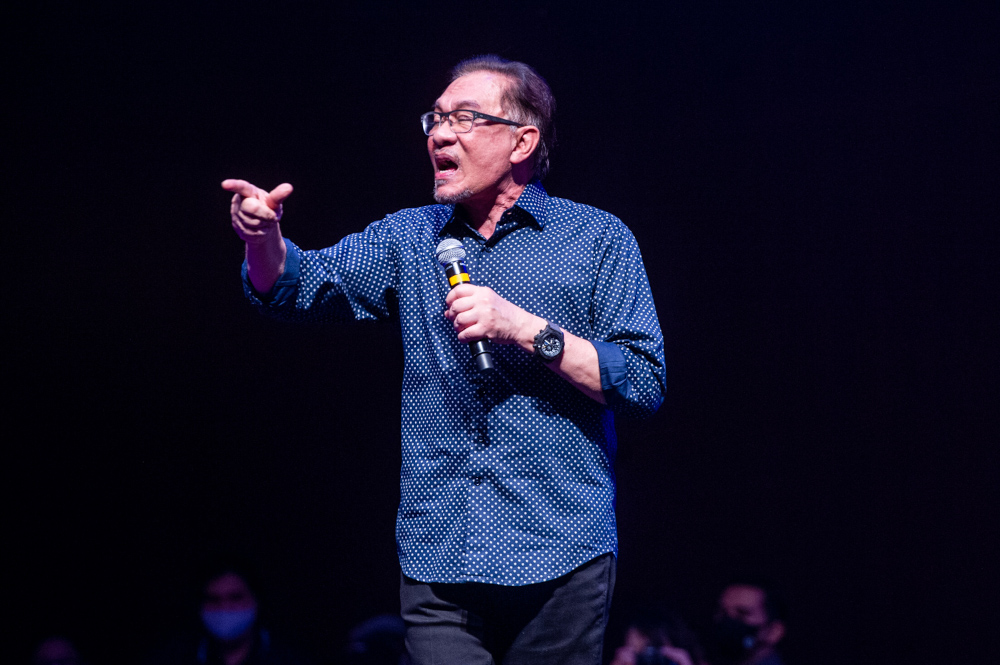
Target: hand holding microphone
[(451, 254), (480, 315)]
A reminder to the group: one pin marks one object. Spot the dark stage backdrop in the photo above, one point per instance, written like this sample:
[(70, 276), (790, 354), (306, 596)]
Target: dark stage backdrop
[(813, 185)]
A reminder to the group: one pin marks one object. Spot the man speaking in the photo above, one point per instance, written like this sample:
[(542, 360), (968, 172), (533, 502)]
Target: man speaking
[(506, 527)]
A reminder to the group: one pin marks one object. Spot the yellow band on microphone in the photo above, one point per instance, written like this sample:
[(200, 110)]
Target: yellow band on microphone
[(457, 279)]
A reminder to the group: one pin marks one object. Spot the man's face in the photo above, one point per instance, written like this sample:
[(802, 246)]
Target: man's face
[(473, 166), (744, 603), (228, 592)]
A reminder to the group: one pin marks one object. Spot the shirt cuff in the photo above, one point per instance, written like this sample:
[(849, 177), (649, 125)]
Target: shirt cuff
[(283, 289), (614, 373)]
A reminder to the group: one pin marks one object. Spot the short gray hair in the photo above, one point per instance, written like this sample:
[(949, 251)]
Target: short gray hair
[(526, 100)]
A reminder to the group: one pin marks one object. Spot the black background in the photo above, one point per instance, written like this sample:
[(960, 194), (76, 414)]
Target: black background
[(813, 185)]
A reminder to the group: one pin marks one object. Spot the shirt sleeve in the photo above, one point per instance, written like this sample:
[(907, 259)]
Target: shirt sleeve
[(628, 338), (353, 279)]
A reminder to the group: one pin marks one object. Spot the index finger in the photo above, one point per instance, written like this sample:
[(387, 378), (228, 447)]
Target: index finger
[(241, 187)]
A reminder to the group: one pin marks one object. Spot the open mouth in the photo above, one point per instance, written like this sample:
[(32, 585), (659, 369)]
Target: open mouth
[(444, 164)]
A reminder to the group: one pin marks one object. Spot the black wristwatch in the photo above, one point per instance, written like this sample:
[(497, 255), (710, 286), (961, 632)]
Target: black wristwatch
[(549, 342)]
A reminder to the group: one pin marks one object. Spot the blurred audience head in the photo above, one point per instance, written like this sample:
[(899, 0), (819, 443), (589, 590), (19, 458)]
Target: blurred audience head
[(229, 599), (56, 650), (659, 636), (749, 623)]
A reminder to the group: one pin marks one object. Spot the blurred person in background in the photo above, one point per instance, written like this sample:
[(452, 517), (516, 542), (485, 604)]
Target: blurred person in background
[(749, 623), (231, 632), (659, 637), (57, 650)]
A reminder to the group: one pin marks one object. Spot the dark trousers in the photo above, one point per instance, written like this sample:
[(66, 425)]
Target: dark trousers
[(561, 621)]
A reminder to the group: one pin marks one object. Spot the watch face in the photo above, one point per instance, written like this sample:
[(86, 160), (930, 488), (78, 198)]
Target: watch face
[(550, 347)]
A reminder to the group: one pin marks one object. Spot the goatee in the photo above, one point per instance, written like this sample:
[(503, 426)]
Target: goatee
[(454, 198)]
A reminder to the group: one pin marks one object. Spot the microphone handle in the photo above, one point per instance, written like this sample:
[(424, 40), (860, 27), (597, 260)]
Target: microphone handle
[(482, 349)]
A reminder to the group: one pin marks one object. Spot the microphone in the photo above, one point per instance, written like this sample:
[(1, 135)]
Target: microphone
[(450, 254)]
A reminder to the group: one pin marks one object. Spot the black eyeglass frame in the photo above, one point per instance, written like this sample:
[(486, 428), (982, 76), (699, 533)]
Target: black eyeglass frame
[(475, 115)]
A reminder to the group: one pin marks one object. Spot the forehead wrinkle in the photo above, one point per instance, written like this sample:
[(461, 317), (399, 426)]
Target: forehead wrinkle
[(499, 84)]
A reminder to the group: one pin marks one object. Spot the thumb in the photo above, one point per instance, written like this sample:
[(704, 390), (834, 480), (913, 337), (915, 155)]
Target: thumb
[(274, 198)]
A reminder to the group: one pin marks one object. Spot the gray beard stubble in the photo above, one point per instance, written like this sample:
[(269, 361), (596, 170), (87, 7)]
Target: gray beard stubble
[(456, 198)]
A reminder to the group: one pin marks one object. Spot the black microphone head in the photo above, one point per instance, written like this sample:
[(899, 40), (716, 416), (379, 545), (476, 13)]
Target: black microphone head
[(450, 250)]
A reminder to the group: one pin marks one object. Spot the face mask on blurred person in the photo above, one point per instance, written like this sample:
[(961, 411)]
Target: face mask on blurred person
[(228, 624), (732, 640)]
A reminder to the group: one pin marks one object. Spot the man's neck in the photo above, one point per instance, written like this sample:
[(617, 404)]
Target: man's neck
[(484, 216)]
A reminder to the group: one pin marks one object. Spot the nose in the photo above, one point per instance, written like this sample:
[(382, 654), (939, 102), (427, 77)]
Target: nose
[(442, 134)]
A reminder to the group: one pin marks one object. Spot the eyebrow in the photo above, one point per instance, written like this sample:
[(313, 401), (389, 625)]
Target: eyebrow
[(465, 104)]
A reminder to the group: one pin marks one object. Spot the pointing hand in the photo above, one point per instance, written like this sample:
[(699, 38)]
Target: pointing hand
[(255, 213)]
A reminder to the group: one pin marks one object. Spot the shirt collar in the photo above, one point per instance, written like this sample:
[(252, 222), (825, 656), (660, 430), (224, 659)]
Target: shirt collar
[(530, 208), (534, 200)]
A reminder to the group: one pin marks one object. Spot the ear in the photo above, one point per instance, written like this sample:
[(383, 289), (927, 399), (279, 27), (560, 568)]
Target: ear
[(526, 140), (773, 632)]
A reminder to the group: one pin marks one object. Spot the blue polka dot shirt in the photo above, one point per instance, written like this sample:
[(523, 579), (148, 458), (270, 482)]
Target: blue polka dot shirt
[(508, 479)]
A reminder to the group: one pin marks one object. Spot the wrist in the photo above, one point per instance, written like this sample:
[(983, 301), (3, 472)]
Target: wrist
[(266, 237), (528, 330), (266, 262), (549, 343)]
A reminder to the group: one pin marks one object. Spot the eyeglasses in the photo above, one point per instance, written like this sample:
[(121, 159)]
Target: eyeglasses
[(460, 121)]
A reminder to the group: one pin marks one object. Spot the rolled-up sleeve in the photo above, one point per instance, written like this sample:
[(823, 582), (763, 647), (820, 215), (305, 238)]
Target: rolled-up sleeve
[(284, 288), (350, 280), (629, 341)]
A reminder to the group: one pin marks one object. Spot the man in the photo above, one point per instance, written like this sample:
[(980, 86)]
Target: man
[(749, 623), (506, 529)]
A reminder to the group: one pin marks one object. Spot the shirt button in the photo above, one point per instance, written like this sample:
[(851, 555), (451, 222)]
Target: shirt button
[(477, 480)]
